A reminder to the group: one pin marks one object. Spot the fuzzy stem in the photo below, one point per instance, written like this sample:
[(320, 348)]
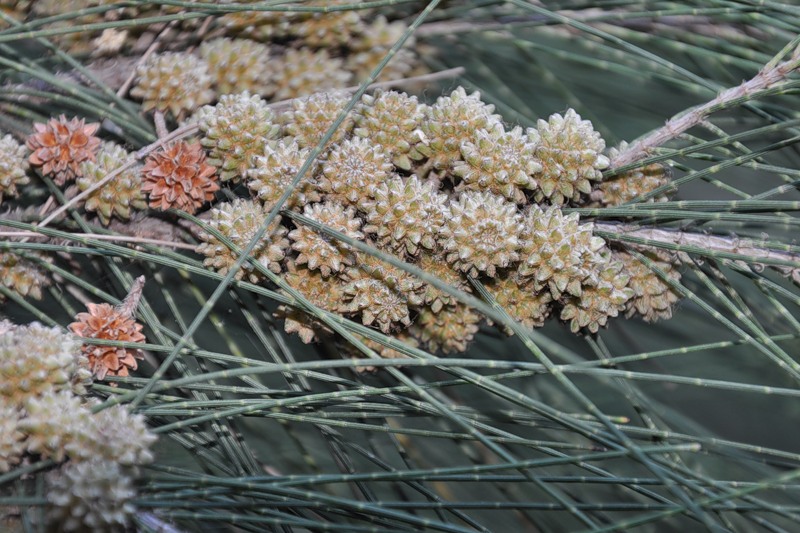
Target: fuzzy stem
[(128, 306)]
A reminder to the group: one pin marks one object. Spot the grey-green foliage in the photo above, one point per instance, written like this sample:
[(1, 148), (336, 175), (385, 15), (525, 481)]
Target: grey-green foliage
[(682, 424)]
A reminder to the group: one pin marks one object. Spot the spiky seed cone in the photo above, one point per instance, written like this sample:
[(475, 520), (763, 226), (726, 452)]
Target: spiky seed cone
[(653, 298), (329, 29), (90, 496), (625, 187), (381, 293), (449, 330), (311, 117), (60, 425), (239, 221), (116, 435), (12, 440), (22, 275), (260, 25), (303, 72), (390, 120), (557, 251), (451, 121), (522, 301), (481, 233), (35, 359), (56, 424), (374, 43), (118, 196), (273, 170), (237, 129), (237, 65), (436, 265), (177, 82), (405, 214), (60, 146), (13, 167), (571, 152), (500, 162), (353, 170), (325, 293), (108, 323), (178, 176), (320, 252), (604, 297)]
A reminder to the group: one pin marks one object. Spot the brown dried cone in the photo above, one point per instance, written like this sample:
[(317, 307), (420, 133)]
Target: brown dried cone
[(628, 186), (12, 440), (436, 265), (381, 293), (373, 45), (118, 196), (451, 121), (239, 222), (500, 162), (311, 117), (178, 82), (390, 120), (105, 322), (449, 330), (320, 252), (237, 65), (303, 72), (406, 214), (23, 275), (60, 146), (237, 129), (325, 293), (178, 176), (481, 233), (571, 154), (352, 171), (653, 297), (271, 173), (13, 167), (521, 300), (604, 294), (557, 251)]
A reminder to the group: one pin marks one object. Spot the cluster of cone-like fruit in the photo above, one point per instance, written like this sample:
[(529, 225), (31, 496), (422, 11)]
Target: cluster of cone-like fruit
[(44, 413), (278, 54), (447, 187)]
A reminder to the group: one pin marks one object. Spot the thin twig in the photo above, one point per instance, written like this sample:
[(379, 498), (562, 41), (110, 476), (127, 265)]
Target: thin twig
[(766, 78), (104, 237), (131, 302), (713, 243)]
